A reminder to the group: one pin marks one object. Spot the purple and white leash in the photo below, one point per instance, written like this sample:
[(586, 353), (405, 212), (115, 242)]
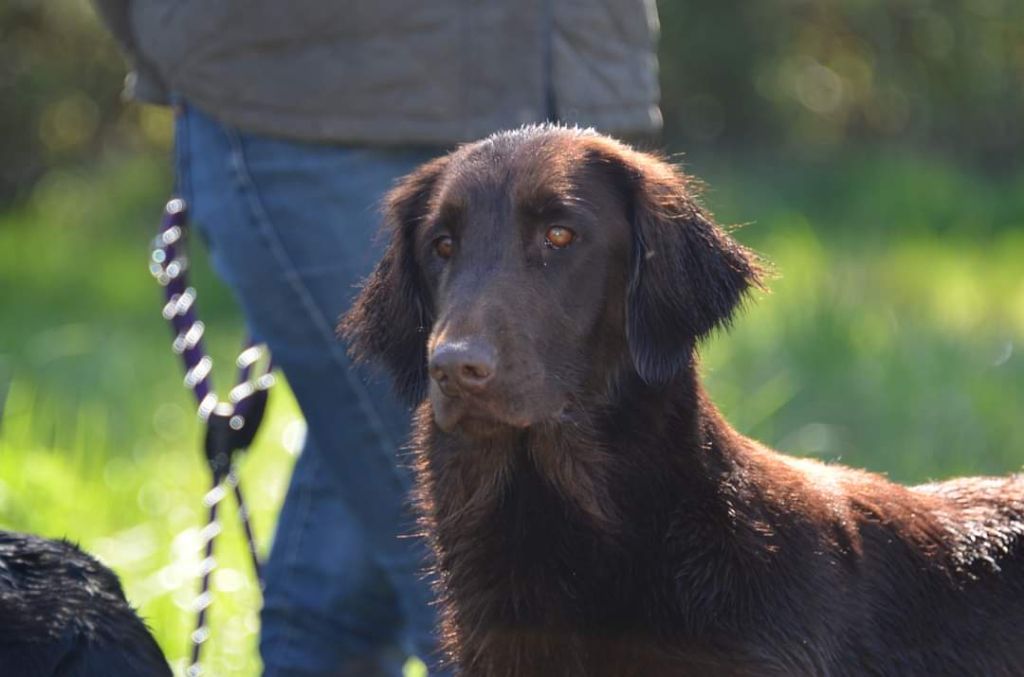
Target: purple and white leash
[(230, 425)]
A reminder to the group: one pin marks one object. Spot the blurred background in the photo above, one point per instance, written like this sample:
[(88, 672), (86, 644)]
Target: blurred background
[(870, 149)]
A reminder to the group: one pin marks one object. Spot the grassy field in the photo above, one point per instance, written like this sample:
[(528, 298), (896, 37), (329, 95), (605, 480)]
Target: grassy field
[(892, 339)]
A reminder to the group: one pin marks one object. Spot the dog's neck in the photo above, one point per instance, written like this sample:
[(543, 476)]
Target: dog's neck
[(552, 504), (606, 459)]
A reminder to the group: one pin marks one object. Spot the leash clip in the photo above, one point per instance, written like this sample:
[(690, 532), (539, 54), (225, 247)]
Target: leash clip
[(229, 431)]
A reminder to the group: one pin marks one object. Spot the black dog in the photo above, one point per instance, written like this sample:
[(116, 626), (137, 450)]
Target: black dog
[(63, 613), (591, 512)]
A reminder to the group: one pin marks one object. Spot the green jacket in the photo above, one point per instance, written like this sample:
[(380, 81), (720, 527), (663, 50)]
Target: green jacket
[(396, 71)]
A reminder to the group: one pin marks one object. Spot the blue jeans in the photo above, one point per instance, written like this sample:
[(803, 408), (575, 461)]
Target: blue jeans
[(291, 229)]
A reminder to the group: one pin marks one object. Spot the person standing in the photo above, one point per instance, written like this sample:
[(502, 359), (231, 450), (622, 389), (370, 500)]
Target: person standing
[(291, 121)]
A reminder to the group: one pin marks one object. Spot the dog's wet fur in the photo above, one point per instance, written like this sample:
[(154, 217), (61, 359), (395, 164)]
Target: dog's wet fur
[(591, 511), (63, 614)]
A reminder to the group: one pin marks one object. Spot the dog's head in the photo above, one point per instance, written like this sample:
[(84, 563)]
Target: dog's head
[(530, 269)]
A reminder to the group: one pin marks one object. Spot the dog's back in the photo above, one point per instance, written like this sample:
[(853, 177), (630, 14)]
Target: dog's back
[(925, 580), (64, 613)]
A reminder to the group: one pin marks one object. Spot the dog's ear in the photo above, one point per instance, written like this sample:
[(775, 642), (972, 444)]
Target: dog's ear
[(391, 317), (688, 276)]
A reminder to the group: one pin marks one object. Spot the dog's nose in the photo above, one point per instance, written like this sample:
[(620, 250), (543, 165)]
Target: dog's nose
[(464, 365)]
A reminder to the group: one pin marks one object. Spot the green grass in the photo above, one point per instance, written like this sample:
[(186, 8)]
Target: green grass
[(98, 440), (892, 339)]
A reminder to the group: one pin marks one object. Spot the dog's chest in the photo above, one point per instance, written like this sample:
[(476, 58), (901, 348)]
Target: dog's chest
[(539, 580)]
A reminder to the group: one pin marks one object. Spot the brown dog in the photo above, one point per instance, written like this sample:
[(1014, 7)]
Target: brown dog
[(591, 511)]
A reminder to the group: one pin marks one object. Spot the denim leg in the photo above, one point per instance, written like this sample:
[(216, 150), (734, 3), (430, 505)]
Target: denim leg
[(291, 229), (322, 586)]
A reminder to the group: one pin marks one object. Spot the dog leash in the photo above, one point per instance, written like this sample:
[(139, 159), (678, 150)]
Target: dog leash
[(230, 425)]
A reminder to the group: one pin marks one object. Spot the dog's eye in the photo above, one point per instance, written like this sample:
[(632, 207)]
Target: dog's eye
[(559, 237), (444, 246)]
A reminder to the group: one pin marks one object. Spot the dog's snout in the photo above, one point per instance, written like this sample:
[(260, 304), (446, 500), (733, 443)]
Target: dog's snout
[(463, 365)]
